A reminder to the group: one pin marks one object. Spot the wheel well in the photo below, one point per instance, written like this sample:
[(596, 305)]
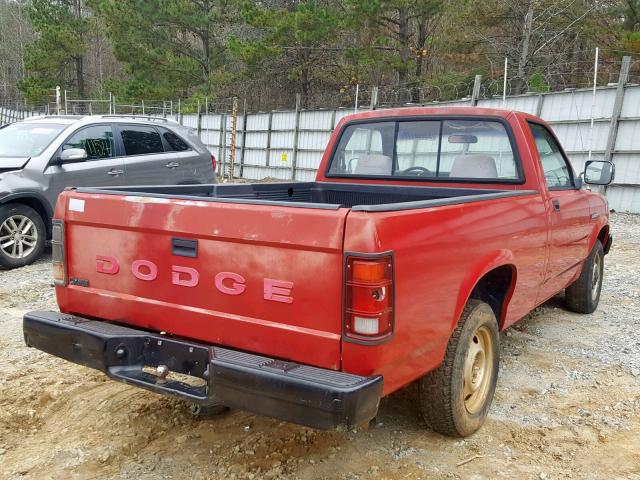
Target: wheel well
[(494, 287), (39, 207), (603, 236)]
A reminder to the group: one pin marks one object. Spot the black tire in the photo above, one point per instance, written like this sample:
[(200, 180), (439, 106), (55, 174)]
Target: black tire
[(583, 295), (444, 404), (18, 210), (205, 411)]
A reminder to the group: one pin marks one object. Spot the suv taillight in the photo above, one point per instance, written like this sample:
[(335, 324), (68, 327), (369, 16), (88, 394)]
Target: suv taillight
[(213, 162), (57, 253), (369, 298)]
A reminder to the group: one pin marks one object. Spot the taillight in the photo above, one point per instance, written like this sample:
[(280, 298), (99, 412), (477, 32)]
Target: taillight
[(213, 162), (57, 253), (369, 298)]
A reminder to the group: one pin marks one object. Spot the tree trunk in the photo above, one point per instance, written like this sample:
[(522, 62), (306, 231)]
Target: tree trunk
[(80, 76), (206, 48), (79, 60), (420, 44), (403, 38), (524, 49)]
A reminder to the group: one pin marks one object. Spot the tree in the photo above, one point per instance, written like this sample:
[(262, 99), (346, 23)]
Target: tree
[(294, 41), (15, 34), (399, 32), (57, 54), (168, 46), (535, 35)]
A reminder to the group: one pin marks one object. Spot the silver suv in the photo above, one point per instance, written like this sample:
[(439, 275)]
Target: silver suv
[(41, 156)]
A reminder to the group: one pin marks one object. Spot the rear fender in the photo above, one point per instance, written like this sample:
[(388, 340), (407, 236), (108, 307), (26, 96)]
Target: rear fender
[(479, 269)]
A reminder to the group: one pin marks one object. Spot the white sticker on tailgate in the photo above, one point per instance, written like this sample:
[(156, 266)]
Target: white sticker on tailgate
[(76, 205)]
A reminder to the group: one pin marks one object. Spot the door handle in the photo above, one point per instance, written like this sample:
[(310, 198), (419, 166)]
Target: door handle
[(172, 165), (556, 204), (114, 172)]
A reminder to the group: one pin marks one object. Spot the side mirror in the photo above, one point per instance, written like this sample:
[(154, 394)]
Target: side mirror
[(599, 172), (72, 155)]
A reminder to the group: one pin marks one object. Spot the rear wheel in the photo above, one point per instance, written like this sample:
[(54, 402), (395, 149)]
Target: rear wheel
[(22, 235), (455, 398), (583, 295)]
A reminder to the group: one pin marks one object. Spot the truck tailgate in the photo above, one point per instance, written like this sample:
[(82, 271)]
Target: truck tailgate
[(261, 278)]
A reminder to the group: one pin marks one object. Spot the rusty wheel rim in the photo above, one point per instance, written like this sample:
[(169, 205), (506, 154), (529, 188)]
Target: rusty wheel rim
[(478, 370)]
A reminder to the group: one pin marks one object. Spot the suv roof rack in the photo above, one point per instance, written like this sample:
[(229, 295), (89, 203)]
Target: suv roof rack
[(42, 117), (138, 117)]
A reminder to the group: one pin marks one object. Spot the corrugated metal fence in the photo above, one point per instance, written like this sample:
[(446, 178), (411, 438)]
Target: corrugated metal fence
[(289, 144)]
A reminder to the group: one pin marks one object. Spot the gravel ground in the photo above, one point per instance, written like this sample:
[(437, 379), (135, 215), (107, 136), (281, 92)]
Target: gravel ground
[(567, 406)]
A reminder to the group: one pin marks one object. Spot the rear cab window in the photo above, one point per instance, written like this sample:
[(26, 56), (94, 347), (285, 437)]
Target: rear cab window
[(474, 150), (140, 140)]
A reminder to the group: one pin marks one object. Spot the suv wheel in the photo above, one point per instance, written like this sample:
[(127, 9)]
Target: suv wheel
[(22, 235)]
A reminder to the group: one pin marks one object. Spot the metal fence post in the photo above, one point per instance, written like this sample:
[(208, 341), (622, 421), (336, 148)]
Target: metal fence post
[(223, 142), (244, 137), (296, 134), (539, 105), (475, 95), (234, 128), (199, 122), (269, 124), (374, 98), (617, 108)]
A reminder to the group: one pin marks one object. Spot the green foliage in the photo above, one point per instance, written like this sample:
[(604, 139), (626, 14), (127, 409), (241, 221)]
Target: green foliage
[(291, 42), (171, 46), (266, 51), (52, 58), (36, 90), (538, 84)]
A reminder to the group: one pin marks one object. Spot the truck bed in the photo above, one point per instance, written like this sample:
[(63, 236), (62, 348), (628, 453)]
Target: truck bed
[(322, 195), (243, 266)]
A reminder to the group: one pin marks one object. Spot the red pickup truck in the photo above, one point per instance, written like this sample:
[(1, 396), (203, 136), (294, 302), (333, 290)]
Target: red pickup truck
[(427, 231)]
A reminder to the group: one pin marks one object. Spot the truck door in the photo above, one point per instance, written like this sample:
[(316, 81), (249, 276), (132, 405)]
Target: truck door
[(568, 210)]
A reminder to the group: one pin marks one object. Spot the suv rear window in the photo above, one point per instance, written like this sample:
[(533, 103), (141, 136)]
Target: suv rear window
[(139, 140), (175, 142), (471, 150)]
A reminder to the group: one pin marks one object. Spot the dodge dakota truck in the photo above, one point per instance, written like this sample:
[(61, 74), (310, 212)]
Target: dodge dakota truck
[(426, 232)]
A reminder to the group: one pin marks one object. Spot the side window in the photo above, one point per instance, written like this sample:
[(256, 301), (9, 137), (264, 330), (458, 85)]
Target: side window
[(97, 141), (140, 140), (556, 171), (175, 142)]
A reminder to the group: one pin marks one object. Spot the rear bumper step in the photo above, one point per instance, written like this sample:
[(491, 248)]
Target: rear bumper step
[(288, 391)]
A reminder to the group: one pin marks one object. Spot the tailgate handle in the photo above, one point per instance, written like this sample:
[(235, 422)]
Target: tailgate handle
[(183, 247)]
